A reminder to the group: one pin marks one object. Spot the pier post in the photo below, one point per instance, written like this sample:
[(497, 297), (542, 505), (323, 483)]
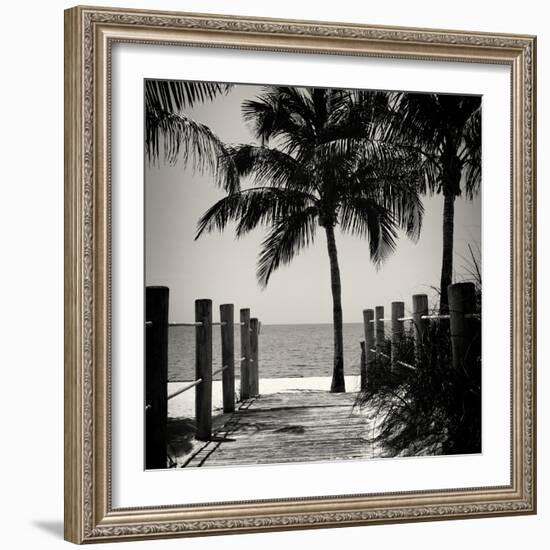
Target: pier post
[(228, 356), (466, 350), (203, 368), (420, 308), (254, 357), (363, 366), (397, 328), (462, 301), (156, 376), (368, 329), (379, 328), (245, 354)]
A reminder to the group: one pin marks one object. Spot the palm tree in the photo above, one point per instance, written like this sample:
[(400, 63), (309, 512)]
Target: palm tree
[(447, 131), (170, 131), (321, 163)]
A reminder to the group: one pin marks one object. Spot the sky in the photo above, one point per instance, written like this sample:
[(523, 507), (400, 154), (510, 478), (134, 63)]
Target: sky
[(222, 268)]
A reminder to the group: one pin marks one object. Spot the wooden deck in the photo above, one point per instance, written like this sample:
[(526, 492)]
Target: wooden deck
[(297, 426)]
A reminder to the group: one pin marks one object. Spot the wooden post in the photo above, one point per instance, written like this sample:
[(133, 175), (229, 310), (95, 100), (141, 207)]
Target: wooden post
[(363, 366), (397, 329), (368, 328), (203, 369), (466, 350), (228, 357), (462, 300), (420, 308), (245, 354), (379, 328), (254, 357), (156, 376)]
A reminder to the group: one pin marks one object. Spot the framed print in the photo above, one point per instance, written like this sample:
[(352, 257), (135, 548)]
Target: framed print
[(300, 274)]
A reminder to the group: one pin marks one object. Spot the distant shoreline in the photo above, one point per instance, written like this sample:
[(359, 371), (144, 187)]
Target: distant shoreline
[(290, 325)]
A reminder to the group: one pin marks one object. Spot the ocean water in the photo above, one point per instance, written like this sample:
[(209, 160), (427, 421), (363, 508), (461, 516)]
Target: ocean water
[(285, 351)]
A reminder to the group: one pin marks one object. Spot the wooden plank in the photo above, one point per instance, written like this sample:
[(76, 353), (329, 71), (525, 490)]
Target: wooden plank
[(292, 426)]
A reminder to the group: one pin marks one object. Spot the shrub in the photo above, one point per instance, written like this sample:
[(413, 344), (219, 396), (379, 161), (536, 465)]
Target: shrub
[(433, 409)]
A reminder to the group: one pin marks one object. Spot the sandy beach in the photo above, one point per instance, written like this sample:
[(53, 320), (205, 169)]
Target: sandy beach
[(183, 405), (307, 394)]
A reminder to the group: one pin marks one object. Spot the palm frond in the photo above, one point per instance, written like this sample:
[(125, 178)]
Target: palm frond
[(260, 114), (357, 114), (441, 127), (226, 173), (419, 118), (169, 131), (285, 240), (360, 149), (396, 188), (471, 156), (330, 155), (171, 134), (269, 166), (367, 219), (284, 113), (173, 96), (253, 207)]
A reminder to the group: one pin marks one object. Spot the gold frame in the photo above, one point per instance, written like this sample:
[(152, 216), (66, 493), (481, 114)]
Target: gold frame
[(89, 35)]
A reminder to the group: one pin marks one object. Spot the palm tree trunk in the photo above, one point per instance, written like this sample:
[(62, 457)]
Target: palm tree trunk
[(447, 263), (338, 382)]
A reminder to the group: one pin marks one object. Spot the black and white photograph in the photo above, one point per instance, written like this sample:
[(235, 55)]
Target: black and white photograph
[(300, 291), (313, 274)]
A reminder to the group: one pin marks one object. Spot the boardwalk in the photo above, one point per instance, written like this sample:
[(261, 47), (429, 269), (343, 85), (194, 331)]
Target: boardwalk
[(293, 426)]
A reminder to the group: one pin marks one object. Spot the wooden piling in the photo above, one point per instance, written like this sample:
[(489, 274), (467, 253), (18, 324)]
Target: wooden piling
[(397, 329), (156, 376), (420, 308), (462, 301), (379, 328), (245, 354), (228, 357), (466, 351), (368, 329), (254, 356), (203, 368), (363, 366)]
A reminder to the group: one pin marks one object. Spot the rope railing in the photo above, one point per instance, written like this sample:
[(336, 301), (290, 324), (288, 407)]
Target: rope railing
[(216, 372), (195, 383), (184, 389), (433, 317), (157, 396), (462, 305), (196, 324), (448, 316), (397, 361)]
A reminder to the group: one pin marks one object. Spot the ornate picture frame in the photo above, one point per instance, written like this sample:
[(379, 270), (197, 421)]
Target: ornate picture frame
[(90, 34)]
